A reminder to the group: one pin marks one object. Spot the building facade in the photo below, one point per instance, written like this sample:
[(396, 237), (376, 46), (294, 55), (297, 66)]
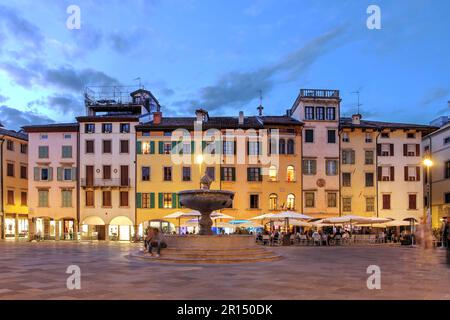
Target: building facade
[(436, 146), (52, 182), (14, 184)]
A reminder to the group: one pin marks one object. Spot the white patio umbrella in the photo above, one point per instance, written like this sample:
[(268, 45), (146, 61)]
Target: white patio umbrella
[(286, 215), (218, 215), (374, 221), (262, 217), (180, 214), (294, 223), (347, 219), (249, 224), (393, 223)]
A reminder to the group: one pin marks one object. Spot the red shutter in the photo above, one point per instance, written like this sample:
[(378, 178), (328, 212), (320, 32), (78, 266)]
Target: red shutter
[(392, 174), (417, 150), (417, 173), (378, 149), (392, 149), (380, 173), (406, 173), (405, 150)]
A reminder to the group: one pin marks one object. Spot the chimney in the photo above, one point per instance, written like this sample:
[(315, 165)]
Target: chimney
[(241, 117), (202, 115), (356, 118), (157, 116)]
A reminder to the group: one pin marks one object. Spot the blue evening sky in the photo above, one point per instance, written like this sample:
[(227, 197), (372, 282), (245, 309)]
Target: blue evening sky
[(218, 54)]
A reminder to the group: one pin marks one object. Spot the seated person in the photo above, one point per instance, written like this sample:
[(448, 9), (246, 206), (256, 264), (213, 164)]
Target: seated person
[(157, 241)]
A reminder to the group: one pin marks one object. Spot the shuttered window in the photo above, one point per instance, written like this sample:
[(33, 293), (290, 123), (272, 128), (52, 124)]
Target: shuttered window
[(412, 202), (43, 152), (89, 198), (124, 198)]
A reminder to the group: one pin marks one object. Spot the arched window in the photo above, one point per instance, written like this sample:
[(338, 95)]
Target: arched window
[(290, 203), (290, 146), (273, 173), (282, 149), (290, 174), (273, 201)]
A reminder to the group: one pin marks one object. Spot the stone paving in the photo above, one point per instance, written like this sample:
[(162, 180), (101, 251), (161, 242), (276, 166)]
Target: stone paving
[(38, 271)]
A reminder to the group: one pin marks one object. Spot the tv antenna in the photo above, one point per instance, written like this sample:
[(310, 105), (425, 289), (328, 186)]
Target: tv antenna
[(357, 92), (260, 108)]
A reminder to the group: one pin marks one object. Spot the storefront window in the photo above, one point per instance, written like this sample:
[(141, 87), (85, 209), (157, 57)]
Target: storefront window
[(10, 227)]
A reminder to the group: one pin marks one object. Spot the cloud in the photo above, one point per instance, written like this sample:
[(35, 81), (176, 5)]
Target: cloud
[(237, 88), (14, 119), (66, 103), (20, 75), (437, 94), (129, 41), (3, 98)]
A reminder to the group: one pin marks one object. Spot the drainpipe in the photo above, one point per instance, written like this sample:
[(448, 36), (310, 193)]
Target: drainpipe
[(301, 170), (2, 223), (340, 173), (376, 170), (136, 226), (78, 183)]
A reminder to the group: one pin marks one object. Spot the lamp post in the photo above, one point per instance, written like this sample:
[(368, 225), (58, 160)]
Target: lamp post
[(428, 164)]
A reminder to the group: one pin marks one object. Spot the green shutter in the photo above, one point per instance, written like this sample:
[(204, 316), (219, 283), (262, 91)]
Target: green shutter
[(152, 200), (174, 200), (161, 147), (203, 146), (192, 147), (59, 174), (139, 147), (138, 200), (233, 174), (152, 147), (36, 174), (160, 200)]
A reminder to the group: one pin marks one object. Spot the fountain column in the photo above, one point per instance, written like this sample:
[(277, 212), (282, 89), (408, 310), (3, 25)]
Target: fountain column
[(205, 224)]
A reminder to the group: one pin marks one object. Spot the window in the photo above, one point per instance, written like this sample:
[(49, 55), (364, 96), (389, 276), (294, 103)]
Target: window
[(447, 170), (411, 135), (273, 202), (385, 149), (167, 147), (386, 173), (331, 136), (43, 136), (290, 146), (123, 199), (145, 173), (107, 146), (67, 174), (186, 148), (167, 133), (368, 157), (331, 113), (23, 198), (145, 202), (345, 137), (106, 127), (348, 156), (145, 147), (228, 147), (23, 148), (332, 200), (107, 172), (106, 199), (89, 198), (89, 128), (43, 198), (290, 202), (228, 174), (89, 146), (253, 148), (309, 167), (370, 204), (309, 113), (254, 174), (411, 150), (331, 167), (67, 136), (43, 152), (446, 140), (320, 113), (346, 204), (186, 173), (447, 197), (385, 135), (254, 201), (124, 146), (10, 197), (273, 173), (412, 173), (386, 201), (66, 151), (10, 145), (45, 176), (10, 169), (167, 174), (23, 172), (309, 200), (369, 179), (412, 201), (346, 179), (290, 174), (167, 200), (368, 137), (282, 148), (66, 196), (309, 136), (211, 172), (124, 128)]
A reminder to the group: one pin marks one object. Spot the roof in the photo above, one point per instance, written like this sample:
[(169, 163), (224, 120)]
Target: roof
[(378, 125), (53, 127), (13, 134), (253, 122), (108, 117)]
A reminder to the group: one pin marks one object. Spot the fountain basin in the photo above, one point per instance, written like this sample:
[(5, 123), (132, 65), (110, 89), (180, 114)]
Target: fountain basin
[(206, 200)]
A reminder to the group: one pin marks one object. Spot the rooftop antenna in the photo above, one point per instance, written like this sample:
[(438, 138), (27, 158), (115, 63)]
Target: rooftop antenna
[(260, 108), (140, 83), (357, 92)]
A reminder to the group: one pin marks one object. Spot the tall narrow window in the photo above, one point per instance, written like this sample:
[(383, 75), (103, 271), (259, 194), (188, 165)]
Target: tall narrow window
[(331, 113), (309, 113), (412, 202), (254, 201), (106, 199), (107, 146), (145, 173), (331, 167), (309, 136), (370, 204), (320, 113), (290, 202), (332, 200), (89, 198), (106, 127), (186, 173), (331, 136), (273, 173), (123, 198), (290, 146), (167, 200), (386, 201), (89, 146), (66, 151), (346, 179), (282, 148), (273, 202), (309, 200), (290, 174), (167, 173), (346, 204), (124, 146)]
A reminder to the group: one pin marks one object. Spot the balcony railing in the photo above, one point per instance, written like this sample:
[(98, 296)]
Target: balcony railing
[(319, 93), (116, 182)]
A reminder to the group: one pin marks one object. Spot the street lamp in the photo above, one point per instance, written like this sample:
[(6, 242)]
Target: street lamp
[(428, 163)]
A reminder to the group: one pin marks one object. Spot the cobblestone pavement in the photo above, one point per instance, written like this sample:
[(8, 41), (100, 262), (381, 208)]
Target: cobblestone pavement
[(38, 271)]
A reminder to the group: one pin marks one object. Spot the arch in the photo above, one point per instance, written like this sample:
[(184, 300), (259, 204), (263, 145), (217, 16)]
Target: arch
[(273, 201), (290, 146), (121, 221), (273, 173), (290, 173), (93, 221), (290, 201)]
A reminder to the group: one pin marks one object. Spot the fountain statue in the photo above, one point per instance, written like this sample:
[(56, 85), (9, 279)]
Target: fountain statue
[(206, 201)]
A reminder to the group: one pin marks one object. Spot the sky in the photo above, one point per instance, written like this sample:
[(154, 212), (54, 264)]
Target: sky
[(218, 55)]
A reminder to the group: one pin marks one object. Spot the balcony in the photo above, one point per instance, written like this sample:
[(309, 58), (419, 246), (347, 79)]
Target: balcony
[(104, 183), (319, 94)]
